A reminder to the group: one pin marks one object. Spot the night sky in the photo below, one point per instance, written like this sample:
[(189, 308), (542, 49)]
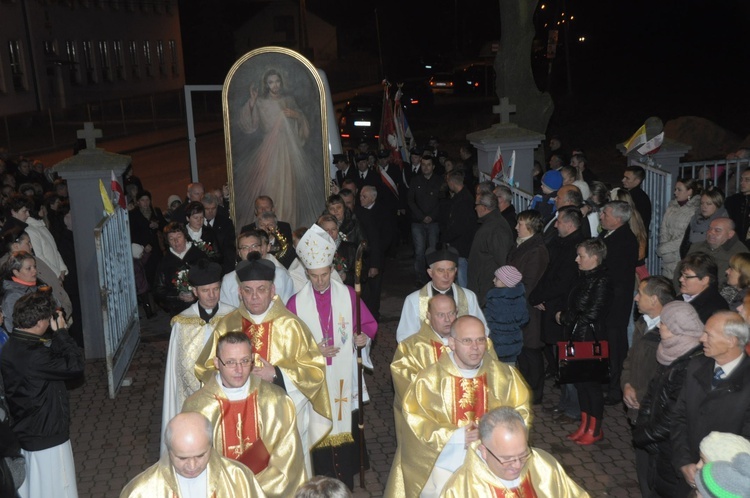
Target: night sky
[(687, 55)]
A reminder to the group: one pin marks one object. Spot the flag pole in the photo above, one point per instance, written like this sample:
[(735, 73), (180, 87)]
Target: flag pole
[(360, 368)]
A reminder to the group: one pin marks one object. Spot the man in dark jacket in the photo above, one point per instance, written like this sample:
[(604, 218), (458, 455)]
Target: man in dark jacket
[(640, 364), (716, 394), (223, 226), (489, 250), (461, 223), (551, 293), (622, 256), (35, 364), (632, 180), (424, 200), (698, 279)]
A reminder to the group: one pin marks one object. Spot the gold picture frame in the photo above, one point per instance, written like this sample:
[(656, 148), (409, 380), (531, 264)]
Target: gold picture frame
[(276, 136)]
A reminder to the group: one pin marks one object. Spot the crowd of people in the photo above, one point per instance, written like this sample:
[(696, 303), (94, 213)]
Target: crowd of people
[(263, 379)]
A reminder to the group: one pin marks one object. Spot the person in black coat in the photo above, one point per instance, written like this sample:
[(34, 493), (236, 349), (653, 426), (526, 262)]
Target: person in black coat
[(632, 180), (551, 292), (622, 257), (712, 400), (583, 319), (200, 234), (461, 223), (344, 170), (146, 224), (680, 330), (698, 280), (378, 227), (223, 227), (171, 288)]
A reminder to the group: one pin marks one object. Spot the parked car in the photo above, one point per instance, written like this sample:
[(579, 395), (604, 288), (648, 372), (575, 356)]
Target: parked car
[(360, 118), (443, 83)]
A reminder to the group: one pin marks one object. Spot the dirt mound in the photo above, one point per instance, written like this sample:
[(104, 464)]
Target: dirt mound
[(708, 140)]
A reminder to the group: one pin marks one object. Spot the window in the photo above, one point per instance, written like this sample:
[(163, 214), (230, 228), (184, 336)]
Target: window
[(135, 66), (50, 48), (173, 55), (161, 58), (75, 65), (119, 60), (16, 65), (147, 58), (89, 62), (104, 61)]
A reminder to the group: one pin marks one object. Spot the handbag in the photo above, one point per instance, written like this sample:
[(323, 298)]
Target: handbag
[(583, 361)]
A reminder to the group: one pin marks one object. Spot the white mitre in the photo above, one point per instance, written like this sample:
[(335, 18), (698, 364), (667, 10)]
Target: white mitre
[(316, 248)]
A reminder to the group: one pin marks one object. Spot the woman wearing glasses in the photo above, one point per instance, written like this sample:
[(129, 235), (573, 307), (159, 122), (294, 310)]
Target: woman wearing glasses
[(583, 320)]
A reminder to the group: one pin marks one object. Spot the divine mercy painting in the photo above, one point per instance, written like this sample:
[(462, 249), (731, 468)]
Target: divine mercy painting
[(276, 136)]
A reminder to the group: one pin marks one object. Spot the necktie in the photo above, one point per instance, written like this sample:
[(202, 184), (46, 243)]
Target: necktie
[(717, 377), (362, 175)]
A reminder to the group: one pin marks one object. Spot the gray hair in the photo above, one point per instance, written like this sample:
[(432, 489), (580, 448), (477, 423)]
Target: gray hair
[(370, 189), (735, 326), (210, 199), (504, 416), (487, 200), (323, 487), (503, 192), (268, 215), (208, 427), (620, 210)]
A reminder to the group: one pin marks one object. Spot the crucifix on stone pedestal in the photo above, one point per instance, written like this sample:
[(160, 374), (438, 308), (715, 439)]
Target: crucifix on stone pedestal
[(90, 134), (505, 109)]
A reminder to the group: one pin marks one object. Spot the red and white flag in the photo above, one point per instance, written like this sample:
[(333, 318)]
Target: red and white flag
[(117, 192), (497, 166), (403, 132), (652, 146)]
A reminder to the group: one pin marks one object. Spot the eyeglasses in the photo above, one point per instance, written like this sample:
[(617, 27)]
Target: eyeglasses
[(688, 277), (507, 462), (244, 362), (444, 271), (469, 341)]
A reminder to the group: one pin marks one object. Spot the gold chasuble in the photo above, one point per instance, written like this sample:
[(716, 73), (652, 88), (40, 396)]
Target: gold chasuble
[(542, 477), (284, 341), (440, 401), (459, 296), (226, 479), (259, 431)]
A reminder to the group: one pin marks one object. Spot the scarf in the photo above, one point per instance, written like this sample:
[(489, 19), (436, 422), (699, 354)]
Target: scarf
[(674, 347)]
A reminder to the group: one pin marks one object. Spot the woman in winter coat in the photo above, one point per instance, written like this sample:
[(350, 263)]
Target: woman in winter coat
[(711, 207), (676, 219), (20, 278), (531, 257), (680, 332), (583, 320)]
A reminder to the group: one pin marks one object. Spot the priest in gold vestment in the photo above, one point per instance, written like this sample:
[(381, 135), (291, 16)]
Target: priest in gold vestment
[(192, 467), (442, 406), (190, 331), (502, 465), (254, 422), (284, 350)]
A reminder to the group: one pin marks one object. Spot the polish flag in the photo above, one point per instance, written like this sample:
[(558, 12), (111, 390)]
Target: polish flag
[(497, 167), (117, 192)]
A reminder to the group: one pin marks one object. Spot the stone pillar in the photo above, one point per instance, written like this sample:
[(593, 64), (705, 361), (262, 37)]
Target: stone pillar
[(83, 173), (509, 137)]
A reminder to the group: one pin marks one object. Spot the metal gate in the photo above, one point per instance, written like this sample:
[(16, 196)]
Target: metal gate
[(117, 288)]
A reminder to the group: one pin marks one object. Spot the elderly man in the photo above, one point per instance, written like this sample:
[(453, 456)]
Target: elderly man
[(192, 467), (442, 267), (567, 195), (505, 204), (190, 331), (279, 232), (622, 256), (253, 422), (640, 364), (493, 241), (329, 308), (285, 350), (255, 241), (697, 283), (721, 243), (442, 406), (502, 462), (716, 394), (223, 227)]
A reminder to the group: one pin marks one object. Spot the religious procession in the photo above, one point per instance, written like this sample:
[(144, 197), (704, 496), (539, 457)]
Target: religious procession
[(274, 326)]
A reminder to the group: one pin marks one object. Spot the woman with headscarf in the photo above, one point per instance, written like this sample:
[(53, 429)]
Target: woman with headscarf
[(680, 330)]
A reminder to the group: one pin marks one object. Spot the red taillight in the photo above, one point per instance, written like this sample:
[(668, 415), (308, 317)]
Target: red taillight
[(414, 101), (344, 135), (476, 84)]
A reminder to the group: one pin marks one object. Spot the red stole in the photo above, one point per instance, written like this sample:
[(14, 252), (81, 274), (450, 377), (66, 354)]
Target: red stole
[(469, 400), (524, 490), (438, 348), (260, 336), (239, 426)]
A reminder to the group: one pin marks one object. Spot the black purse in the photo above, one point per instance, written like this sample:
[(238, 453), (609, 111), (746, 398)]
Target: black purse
[(583, 361)]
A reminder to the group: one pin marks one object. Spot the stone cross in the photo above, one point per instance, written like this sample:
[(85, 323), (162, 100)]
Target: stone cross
[(90, 134), (505, 109)]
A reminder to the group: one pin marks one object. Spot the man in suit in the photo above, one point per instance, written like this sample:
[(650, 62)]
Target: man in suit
[(344, 170), (378, 227), (224, 229), (716, 393), (364, 175), (414, 168), (279, 232), (622, 256)]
